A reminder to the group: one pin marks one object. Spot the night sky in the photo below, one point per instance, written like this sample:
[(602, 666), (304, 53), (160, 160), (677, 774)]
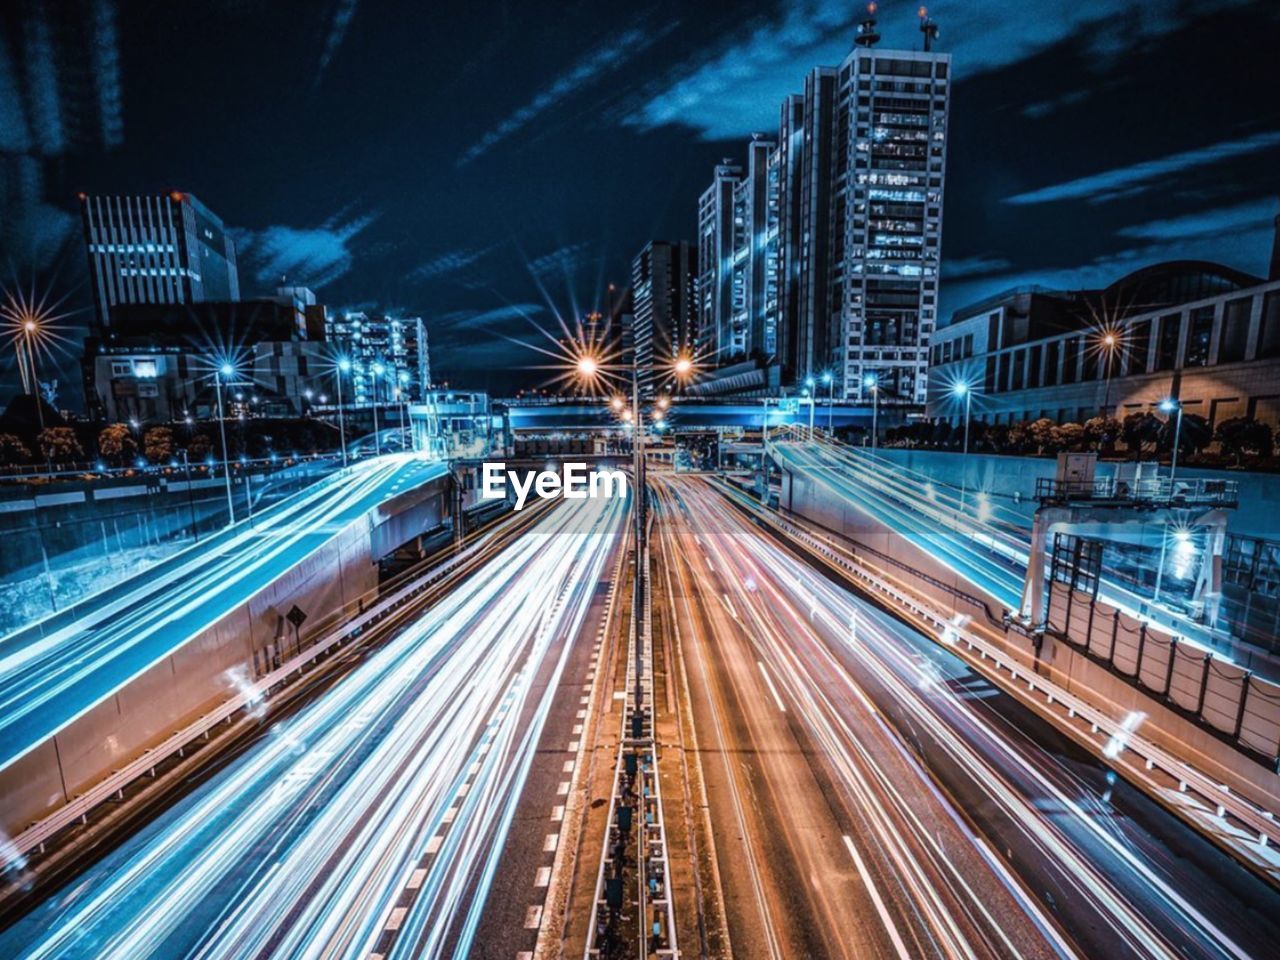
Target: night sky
[(485, 165)]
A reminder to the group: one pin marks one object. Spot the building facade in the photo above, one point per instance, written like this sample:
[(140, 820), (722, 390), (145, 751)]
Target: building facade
[(156, 249), (821, 254), (665, 307), (389, 356), (1198, 332)]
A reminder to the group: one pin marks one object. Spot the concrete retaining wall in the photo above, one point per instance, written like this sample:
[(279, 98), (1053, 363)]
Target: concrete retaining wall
[(203, 672)]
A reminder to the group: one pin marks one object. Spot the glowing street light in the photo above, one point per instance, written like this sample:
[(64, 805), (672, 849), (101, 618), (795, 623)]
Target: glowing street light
[(829, 382), (226, 370), (872, 382), (961, 389), (343, 367), (1172, 405), (1108, 342)]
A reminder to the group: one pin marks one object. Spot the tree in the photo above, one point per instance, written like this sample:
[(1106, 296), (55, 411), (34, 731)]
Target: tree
[(1041, 433), (1018, 436), (1193, 436), (1068, 436), (158, 444), (940, 432), (1242, 436), (200, 448), (1140, 429), (59, 444), (116, 443), (1102, 432), (12, 450)]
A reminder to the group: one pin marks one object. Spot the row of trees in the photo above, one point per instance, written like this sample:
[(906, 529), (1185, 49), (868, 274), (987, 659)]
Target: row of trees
[(1139, 434), (118, 445)]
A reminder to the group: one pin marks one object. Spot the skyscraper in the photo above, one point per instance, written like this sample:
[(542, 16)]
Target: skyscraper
[(389, 355), (827, 258), (663, 281), (156, 249)]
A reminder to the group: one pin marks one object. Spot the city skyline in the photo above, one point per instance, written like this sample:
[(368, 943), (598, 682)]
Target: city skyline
[(448, 236)]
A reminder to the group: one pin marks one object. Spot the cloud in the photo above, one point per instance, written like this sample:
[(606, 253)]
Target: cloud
[(471, 320), (315, 256), (1139, 177), (735, 87), (973, 266), (563, 261), (1254, 214), (589, 68), (447, 263), (343, 14)]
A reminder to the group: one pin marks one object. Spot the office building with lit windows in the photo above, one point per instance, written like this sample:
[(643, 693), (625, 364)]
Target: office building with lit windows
[(167, 248), (821, 254), (389, 355), (1198, 332), (665, 308)]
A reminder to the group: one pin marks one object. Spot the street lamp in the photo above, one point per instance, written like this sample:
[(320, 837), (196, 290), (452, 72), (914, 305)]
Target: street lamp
[(343, 367), (377, 369), (872, 383), (809, 394), (225, 371), (1172, 405), (587, 368), (830, 383), (961, 389), (1110, 341)]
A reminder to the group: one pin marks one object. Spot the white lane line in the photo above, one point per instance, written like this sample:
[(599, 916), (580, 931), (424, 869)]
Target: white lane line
[(557, 814), (573, 746), (543, 877), (577, 728), (415, 879), (563, 788), (396, 918), (568, 766), (449, 815), (433, 845), (772, 689), (533, 917), (549, 845), (732, 612), (887, 920), (582, 714)]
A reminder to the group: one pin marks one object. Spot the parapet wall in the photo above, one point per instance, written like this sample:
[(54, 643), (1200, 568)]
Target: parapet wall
[(331, 583)]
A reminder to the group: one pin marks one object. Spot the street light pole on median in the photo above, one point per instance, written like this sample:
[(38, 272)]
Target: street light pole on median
[(225, 370)]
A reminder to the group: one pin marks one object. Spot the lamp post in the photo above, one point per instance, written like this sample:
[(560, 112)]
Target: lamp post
[(872, 383), (225, 370), (377, 370), (29, 331), (343, 367), (1172, 405), (961, 389), (587, 369), (830, 382), (810, 396), (1109, 343)]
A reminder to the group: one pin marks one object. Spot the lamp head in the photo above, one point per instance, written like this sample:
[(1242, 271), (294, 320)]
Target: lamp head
[(960, 389)]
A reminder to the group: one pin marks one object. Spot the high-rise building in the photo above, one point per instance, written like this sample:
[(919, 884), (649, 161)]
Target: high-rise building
[(156, 249), (715, 265), (663, 280), (389, 357), (826, 259)]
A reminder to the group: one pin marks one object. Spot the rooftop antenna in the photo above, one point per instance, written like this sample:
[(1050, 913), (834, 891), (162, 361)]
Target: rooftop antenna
[(929, 28), (868, 35)]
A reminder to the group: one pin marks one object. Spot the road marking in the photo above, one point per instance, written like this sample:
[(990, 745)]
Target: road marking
[(563, 788), (549, 845), (415, 879), (464, 789), (772, 689), (577, 728), (543, 877), (557, 814), (533, 917), (433, 845), (449, 815), (396, 918), (732, 612), (568, 766), (885, 918), (582, 714), (573, 746)]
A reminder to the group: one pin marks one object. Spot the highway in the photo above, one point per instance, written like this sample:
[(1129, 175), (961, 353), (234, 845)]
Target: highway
[(871, 796), (53, 672), (373, 820)]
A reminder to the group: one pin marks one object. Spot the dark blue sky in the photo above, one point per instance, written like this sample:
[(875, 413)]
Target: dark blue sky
[(474, 162)]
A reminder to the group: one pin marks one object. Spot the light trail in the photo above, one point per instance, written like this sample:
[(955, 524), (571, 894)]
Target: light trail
[(49, 679), (848, 667), (388, 797)]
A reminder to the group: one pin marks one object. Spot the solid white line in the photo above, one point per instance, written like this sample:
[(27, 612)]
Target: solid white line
[(772, 689), (887, 920)]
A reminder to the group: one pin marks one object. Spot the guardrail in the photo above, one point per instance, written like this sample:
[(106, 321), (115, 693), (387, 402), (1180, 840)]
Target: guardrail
[(1254, 827), (1153, 491)]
